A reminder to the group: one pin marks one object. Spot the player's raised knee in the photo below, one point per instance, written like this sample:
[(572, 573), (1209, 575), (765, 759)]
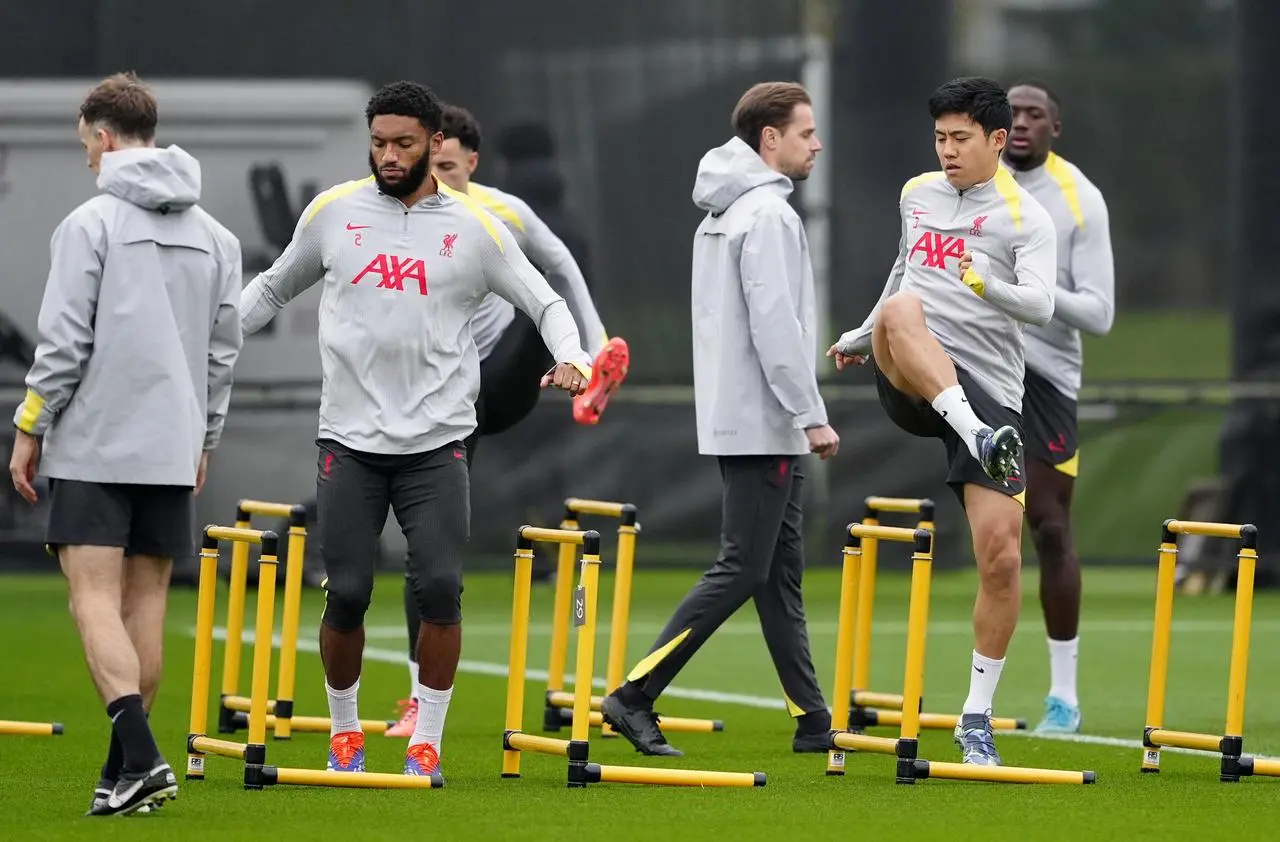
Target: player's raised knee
[(902, 310), (440, 598)]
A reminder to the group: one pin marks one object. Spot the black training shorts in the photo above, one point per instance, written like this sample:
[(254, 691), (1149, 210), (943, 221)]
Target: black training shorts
[(920, 419), (1052, 428), (154, 520), (430, 495)]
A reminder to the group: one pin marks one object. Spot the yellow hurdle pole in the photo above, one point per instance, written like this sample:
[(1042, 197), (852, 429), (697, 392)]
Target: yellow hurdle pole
[(844, 648), (913, 679), (516, 660), (255, 750), (866, 607), (289, 623), (584, 616), (621, 619), (206, 598), (560, 626), (1160, 639), (1233, 742), (1163, 628), (235, 623)]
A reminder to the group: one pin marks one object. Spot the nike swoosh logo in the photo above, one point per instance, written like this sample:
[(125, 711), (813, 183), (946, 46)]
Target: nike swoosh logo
[(351, 227), (116, 800)]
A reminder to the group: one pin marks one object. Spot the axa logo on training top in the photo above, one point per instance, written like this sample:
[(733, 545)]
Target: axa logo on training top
[(936, 248), (393, 270)]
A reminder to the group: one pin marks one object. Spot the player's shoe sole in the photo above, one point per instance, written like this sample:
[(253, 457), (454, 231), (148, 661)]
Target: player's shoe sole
[(607, 373)]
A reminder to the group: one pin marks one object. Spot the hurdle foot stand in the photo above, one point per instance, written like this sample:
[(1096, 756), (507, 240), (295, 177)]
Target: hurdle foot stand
[(576, 750), (909, 766), (1233, 763)]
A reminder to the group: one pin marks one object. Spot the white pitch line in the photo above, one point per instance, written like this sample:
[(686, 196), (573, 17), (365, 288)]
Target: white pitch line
[(951, 627), (395, 656)]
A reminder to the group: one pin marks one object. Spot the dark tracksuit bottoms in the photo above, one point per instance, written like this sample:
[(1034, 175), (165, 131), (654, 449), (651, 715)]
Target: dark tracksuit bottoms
[(761, 559)]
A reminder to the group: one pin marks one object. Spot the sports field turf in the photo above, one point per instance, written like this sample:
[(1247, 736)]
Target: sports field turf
[(45, 782)]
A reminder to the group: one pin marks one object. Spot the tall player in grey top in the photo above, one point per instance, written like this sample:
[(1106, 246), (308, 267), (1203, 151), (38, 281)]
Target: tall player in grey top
[(975, 266), (405, 263), (1085, 302)]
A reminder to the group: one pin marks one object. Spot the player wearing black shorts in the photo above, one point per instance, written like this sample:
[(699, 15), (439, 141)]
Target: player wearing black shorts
[(512, 353), (138, 334), (1085, 304), (975, 265), (405, 263)]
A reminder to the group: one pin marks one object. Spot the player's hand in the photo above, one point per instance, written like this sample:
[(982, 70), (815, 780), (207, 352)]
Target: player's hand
[(974, 266), (567, 377), (823, 441), (23, 464), (201, 470), (843, 359)]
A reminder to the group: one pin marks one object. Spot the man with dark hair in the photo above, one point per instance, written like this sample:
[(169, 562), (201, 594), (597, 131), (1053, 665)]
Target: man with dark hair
[(975, 264), (1084, 301), (138, 335), (405, 262), (512, 354), (758, 410)]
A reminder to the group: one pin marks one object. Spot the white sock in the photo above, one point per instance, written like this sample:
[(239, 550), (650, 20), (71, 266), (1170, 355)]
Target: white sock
[(343, 714), (413, 679), (1062, 669), (983, 678), (954, 407), (432, 707)]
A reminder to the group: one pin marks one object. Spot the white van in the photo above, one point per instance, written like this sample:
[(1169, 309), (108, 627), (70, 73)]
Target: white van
[(265, 149)]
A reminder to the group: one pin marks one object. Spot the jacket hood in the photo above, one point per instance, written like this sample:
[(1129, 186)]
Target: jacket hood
[(151, 178), (728, 171)]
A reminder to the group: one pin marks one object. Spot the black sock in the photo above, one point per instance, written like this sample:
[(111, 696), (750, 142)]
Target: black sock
[(134, 734), (115, 760)]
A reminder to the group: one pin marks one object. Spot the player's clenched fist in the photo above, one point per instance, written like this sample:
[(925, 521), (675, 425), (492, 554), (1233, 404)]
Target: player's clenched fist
[(566, 376)]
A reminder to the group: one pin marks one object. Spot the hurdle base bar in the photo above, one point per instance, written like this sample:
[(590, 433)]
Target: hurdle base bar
[(665, 723), (258, 777), (861, 742), (918, 770), (862, 718), (559, 713), (1231, 748), (520, 741), (1247, 766), (596, 773), (313, 724), (13, 728)]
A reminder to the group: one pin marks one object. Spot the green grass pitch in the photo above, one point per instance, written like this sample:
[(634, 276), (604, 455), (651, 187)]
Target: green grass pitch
[(45, 782)]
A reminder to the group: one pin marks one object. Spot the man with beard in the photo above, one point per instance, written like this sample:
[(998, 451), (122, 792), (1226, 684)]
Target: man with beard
[(1084, 302), (758, 410), (405, 263), (512, 354)]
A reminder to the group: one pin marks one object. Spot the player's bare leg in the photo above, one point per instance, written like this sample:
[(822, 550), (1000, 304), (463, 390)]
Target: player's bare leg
[(995, 520), (96, 578), (916, 364), (1049, 516)]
